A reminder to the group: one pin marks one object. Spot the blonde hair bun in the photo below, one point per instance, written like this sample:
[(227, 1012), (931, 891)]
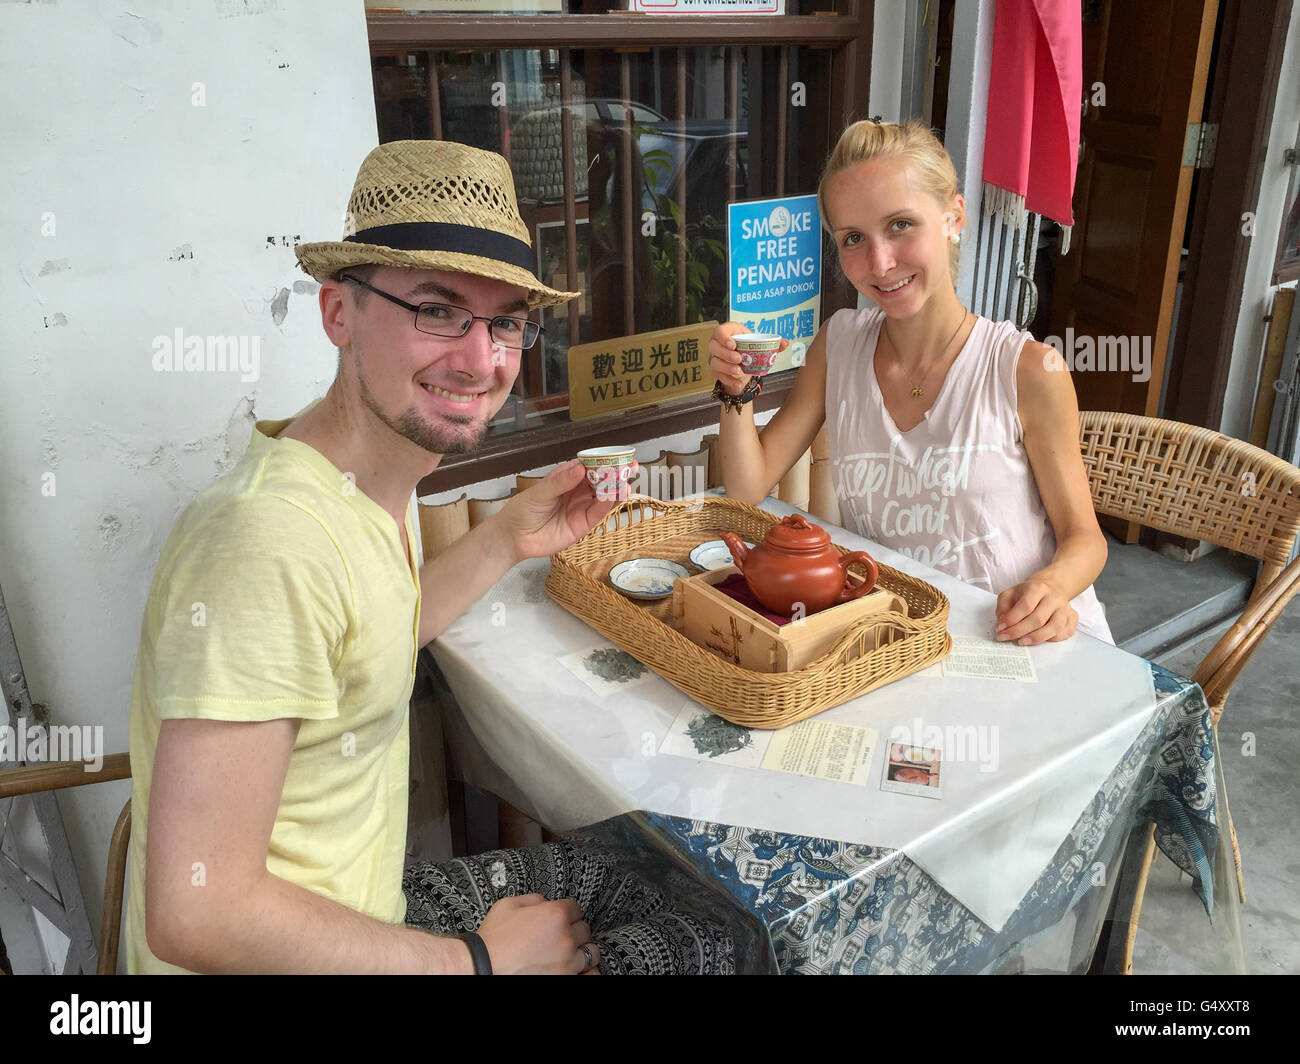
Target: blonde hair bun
[(927, 159)]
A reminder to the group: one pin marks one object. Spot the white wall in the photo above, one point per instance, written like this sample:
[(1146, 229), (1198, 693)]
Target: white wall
[(887, 36), (1258, 291), (102, 138)]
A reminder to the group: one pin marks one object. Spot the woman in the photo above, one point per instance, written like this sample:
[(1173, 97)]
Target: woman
[(953, 439)]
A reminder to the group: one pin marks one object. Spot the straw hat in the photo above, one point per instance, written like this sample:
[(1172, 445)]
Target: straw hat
[(435, 205)]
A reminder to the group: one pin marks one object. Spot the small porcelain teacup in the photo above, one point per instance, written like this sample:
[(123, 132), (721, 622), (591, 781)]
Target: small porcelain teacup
[(609, 471), (758, 352)]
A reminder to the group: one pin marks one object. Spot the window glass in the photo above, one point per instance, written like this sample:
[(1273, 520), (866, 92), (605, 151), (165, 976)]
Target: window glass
[(1288, 254), (659, 142)]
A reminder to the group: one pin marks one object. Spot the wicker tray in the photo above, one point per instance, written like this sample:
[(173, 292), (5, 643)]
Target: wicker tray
[(855, 664)]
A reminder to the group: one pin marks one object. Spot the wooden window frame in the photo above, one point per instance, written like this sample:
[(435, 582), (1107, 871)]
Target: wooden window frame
[(846, 34), (1239, 100)]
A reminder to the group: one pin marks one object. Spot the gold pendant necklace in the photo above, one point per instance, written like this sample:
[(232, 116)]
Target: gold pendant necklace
[(918, 392)]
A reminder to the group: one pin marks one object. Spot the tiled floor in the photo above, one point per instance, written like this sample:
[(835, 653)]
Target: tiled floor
[(1259, 744), (1140, 588)]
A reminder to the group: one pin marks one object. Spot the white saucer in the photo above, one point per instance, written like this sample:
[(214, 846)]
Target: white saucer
[(713, 555), (646, 578)]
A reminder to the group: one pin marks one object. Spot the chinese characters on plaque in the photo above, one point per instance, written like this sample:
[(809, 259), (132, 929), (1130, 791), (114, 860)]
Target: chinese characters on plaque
[(628, 371)]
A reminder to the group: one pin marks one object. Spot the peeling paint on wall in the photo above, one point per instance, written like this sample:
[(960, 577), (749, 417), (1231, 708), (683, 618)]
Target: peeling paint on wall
[(120, 524), (57, 318), (171, 460), (304, 288), (136, 30), (238, 431), (49, 437), (110, 530), (235, 8), (280, 306), (55, 266)]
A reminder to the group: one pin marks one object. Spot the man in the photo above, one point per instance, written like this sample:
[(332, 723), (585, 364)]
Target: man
[(269, 716)]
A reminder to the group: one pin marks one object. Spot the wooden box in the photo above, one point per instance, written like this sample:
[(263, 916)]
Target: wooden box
[(735, 633)]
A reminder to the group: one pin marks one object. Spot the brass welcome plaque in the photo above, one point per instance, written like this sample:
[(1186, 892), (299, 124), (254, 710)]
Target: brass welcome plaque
[(627, 371)]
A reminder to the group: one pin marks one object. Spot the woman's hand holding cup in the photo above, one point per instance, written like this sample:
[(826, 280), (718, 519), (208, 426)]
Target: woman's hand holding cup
[(725, 359)]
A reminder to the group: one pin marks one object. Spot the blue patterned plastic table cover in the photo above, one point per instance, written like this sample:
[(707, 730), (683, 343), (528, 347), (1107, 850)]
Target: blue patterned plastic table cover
[(835, 908)]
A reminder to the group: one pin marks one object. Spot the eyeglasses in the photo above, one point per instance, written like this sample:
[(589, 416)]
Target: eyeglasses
[(442, 319)]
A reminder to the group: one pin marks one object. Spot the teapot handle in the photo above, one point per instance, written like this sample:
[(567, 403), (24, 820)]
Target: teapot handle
[(873, 574), (737, 548)]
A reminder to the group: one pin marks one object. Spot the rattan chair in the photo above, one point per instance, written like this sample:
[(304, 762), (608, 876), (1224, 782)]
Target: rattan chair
[(29, 779), (1195, 482)]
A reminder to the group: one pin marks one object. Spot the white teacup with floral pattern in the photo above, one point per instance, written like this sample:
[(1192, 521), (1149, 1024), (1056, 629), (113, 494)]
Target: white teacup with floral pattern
[(758, 352), (609, 471)]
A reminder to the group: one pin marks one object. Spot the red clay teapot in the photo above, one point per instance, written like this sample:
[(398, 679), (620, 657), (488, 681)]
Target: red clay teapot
[(796, 563)]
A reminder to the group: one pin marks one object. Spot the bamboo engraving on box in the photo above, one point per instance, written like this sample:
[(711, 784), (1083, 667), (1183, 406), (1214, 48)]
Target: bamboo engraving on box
[(723, 644)]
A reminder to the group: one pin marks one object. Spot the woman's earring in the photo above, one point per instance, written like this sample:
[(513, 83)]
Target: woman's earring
[(950, 226)]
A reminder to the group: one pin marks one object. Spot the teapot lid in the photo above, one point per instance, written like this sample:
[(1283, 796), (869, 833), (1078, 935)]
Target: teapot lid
[(796, 532)]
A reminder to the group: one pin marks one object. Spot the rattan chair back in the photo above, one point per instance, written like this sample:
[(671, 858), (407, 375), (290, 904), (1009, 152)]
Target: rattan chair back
[(1193, 482)]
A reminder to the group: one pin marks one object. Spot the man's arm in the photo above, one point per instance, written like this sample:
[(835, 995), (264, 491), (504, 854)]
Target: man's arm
[(460, 574), (216, 788), (551, 515)]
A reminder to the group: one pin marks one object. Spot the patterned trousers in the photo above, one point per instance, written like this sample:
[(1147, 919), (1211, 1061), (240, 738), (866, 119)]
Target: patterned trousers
[(640, 927)]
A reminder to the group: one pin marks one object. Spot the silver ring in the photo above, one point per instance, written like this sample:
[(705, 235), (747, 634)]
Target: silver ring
[(586, 955)]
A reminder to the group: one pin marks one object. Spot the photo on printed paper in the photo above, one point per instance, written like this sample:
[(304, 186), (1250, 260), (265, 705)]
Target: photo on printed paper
[(914, 770)]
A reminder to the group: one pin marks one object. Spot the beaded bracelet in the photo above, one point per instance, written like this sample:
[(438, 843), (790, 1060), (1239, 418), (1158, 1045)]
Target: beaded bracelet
[(735, 402)]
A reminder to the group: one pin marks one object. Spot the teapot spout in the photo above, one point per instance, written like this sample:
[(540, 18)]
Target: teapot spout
[(737, 548)]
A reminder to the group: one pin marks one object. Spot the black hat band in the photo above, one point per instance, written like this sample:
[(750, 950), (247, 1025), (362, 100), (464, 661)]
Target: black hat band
[(448, 236)]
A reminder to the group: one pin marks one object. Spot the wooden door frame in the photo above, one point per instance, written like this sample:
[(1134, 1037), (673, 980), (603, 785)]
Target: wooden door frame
[(1251, 38)]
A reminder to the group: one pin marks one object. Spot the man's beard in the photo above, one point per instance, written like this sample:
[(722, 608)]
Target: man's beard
[(411, 426)]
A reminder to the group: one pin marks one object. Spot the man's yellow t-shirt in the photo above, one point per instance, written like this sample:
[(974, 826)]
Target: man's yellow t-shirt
[(283, 592)]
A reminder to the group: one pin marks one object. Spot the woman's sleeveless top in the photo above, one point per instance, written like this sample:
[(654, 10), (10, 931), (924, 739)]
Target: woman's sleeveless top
[(956, 491)]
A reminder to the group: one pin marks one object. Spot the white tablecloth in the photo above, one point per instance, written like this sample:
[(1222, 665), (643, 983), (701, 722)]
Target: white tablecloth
[(531, 730)]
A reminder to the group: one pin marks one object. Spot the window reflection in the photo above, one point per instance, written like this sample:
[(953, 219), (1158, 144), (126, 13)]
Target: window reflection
[(659, 143)]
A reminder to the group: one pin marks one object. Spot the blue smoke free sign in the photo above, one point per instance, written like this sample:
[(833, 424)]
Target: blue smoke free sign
[(775, 259)]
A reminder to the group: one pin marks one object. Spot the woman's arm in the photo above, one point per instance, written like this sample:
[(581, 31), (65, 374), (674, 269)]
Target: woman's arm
[(1038, 609), (752, 464)]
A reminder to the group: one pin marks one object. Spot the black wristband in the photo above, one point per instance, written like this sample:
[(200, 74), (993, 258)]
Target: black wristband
[(478, 951), (735, 402)]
